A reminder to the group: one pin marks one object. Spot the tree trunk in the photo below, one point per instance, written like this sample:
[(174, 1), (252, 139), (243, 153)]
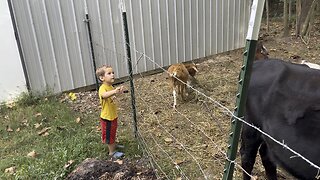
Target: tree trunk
[(309, 19), (290, 11), (303, 7), (298, 15), (267, 14), (285, 18)]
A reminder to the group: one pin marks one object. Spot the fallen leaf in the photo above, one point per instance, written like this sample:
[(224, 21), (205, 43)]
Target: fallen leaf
[(10, 104), (38, 114), (168, 140), (9, 129), (37, 125), (201, 146), (26, 124), (119, 161), (72, 96), (45, 134), (32, 154), (179, 178), (78, 119), (178, 147), (178, 162), (61, 128), (10, 170), (43, 131), (17, 130), (68, 164)]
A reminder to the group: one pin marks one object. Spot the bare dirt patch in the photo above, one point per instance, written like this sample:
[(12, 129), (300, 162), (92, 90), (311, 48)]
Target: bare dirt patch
[(104, 169)]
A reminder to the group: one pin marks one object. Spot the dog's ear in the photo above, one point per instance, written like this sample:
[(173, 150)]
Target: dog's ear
[(195, 68)]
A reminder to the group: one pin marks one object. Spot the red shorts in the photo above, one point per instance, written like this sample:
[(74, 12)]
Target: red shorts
[(108, 130)]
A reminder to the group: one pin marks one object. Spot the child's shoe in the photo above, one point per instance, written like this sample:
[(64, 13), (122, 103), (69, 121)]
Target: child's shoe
[(117, 155)]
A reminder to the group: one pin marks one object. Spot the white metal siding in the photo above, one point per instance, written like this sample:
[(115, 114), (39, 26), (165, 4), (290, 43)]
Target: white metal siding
[(12, 81), (56, 44)]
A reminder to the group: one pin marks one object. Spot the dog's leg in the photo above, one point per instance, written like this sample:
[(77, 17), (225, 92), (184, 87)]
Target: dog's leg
[(174, 98)]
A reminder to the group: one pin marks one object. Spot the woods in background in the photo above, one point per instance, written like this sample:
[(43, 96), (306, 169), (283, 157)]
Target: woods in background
[(299, 14)]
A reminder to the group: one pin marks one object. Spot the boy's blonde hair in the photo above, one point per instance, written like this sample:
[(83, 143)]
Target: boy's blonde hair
[(101, 70)]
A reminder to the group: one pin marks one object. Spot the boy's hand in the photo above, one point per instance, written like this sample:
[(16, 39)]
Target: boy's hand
[(120, 90)]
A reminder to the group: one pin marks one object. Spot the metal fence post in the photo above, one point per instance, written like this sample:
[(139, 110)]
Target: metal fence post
[(87, 21), (126, 35), (244, 79), (241, 96)]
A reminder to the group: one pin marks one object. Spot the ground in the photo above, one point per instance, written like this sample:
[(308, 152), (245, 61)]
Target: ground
[(191, 141), (108, 169)]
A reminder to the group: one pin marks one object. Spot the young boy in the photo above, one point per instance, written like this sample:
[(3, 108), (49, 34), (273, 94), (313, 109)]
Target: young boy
[(109, 115)]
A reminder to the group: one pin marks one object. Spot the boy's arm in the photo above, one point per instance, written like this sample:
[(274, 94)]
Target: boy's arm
[(115, 91)]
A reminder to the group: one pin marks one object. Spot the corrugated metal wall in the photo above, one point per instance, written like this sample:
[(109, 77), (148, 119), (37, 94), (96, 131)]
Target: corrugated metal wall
[(56, 48)]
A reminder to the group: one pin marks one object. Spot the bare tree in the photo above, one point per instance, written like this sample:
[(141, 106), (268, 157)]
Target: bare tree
[(290, 11), (267, 14), (298, 14), (303, 8), (307, 25), (285, 18)]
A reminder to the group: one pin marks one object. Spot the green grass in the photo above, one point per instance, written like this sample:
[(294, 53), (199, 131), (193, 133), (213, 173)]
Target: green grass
[(67, 139)]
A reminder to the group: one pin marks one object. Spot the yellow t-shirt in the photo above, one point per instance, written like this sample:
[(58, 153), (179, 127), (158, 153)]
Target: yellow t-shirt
[(109, 108)]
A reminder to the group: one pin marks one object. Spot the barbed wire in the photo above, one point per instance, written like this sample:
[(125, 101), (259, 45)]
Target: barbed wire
[(176, 166), (181, 144), (184, 147), (243, 121), (226, 111), (150, 155), (212, 141)]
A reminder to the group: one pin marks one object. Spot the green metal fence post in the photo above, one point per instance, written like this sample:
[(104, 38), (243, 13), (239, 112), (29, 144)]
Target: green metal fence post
[(87, 21), (241, 96), (244, 78), (126, 36)]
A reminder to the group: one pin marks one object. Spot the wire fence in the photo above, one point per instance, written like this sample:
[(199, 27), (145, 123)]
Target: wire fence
[(201, 163), (190, 142)]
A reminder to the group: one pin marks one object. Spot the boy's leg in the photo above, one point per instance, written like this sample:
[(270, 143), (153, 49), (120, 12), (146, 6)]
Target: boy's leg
[(106, 135), (111, 131), (112, 148), (103, 124)]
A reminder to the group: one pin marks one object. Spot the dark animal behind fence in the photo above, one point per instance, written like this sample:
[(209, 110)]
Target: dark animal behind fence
[(283, 101)]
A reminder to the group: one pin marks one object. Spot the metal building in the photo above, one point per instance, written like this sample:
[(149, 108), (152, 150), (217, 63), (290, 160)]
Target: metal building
[(56, 50)]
